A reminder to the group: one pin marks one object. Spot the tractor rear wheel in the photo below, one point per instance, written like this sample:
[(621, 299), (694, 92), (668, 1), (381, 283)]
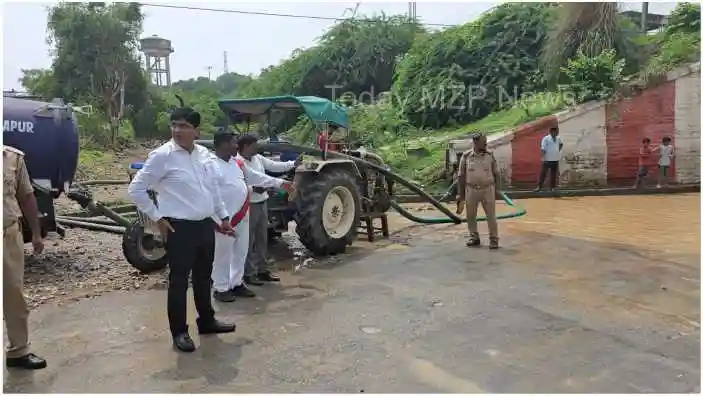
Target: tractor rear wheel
[(328, 211), (141, 249)]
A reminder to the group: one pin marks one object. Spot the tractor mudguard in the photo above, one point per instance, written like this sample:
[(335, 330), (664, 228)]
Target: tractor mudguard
[(317, 166)]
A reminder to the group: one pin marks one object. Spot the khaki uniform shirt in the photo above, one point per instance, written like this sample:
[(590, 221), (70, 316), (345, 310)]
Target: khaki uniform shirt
[(16, 184), (478, 168)]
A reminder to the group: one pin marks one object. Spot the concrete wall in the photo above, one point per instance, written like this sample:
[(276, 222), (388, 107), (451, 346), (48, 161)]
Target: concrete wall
[(602, 140)]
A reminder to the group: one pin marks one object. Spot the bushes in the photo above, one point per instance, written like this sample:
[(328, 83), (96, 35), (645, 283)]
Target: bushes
[(676, 50), (593, 78), (686, 18), (456, 76)]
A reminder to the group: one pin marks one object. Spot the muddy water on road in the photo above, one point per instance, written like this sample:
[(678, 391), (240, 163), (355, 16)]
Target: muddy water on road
[(627, 259), (659, 223)]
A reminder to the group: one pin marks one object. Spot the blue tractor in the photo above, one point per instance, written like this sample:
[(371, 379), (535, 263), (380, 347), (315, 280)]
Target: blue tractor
[(47, 132)]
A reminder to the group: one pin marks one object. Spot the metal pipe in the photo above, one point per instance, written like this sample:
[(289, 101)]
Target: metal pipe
[(103, 182), (92, 226), (87, 220)]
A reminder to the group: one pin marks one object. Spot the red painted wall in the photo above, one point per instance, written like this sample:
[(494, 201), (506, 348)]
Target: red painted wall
[(628, 121), (526, 156)]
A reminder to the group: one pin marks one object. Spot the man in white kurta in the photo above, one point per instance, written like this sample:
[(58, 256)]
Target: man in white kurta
[(233, 179)]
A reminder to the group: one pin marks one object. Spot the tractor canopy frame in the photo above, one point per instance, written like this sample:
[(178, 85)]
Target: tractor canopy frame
[(320, 111)]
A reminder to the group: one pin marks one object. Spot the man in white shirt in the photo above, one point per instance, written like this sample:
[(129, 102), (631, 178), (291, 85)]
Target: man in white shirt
[(550, 147), (187, 200), (232, 177), (257, 269)]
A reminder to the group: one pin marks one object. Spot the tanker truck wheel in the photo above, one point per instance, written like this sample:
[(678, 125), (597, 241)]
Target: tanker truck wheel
[(142, 251), (328, 211)]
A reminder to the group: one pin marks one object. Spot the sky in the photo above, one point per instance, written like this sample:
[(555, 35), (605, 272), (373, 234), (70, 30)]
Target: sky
[(252, 42)]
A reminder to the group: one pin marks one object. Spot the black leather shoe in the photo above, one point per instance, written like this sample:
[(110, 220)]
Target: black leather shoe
[(183, 342), (215, 327), (227, 296), (250, 280), (268, 277), (243, 291), (29, 361)]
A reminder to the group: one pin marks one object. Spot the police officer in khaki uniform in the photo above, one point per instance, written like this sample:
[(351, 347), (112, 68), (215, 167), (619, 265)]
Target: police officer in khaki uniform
[(18, 198), (478, 176)]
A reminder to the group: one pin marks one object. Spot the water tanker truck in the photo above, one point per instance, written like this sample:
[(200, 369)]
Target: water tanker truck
[(47, 133)]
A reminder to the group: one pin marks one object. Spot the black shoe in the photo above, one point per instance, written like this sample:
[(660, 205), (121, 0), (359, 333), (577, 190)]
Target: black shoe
[(243, 291), (268, 277), (29, 361), (474, 240), (250, 280), (183, 342), (215, 327), (493, 245), (226, 296)]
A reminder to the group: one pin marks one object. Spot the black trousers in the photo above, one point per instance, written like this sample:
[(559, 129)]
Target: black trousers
[(191, 248), (553, 168)]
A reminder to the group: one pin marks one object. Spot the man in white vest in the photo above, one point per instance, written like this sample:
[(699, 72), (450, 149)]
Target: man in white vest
[(233, 179), (257, 269)]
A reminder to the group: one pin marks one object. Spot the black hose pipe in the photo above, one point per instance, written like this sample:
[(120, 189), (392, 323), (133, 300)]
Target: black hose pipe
[(273, 146)]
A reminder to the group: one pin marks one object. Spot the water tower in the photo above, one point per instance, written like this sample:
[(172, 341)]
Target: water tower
[(157, 51)]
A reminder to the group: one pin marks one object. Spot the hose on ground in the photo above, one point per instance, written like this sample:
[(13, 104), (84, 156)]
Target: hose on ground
[(520, 211), (451, 216)]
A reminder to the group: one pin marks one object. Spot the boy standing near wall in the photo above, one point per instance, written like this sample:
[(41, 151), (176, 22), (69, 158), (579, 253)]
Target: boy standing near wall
[(666, 155), (644, 162)]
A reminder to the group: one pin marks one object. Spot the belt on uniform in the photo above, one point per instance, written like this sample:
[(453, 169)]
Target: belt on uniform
[(7, 226)]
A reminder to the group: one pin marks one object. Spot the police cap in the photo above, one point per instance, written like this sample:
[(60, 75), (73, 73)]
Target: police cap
[(477, 135)]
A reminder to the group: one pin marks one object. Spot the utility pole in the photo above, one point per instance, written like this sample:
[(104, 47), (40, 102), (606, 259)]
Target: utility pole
[(643, 21), (225, 68), (209, 72)]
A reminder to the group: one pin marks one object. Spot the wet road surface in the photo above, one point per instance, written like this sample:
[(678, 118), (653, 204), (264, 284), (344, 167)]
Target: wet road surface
[(593, 294)]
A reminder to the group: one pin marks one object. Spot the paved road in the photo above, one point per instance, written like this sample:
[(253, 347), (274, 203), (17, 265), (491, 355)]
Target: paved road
[(424, 314)]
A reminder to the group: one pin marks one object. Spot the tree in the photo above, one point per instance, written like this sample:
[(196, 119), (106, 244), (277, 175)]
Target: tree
[(461, 74), (355, 55), (686, 18), (40, 82), (589, 28), (95, 56)]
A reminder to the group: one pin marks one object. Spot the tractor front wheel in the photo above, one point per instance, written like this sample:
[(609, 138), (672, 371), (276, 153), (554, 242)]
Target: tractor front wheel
[(142, 250), (328, 211)]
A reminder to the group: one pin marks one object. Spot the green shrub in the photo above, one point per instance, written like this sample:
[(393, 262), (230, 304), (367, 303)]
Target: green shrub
[(593, 78), (686, 18), (676, 50)]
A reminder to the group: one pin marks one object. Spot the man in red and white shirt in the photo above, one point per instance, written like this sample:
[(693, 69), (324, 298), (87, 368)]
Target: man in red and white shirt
[(233, 180)]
